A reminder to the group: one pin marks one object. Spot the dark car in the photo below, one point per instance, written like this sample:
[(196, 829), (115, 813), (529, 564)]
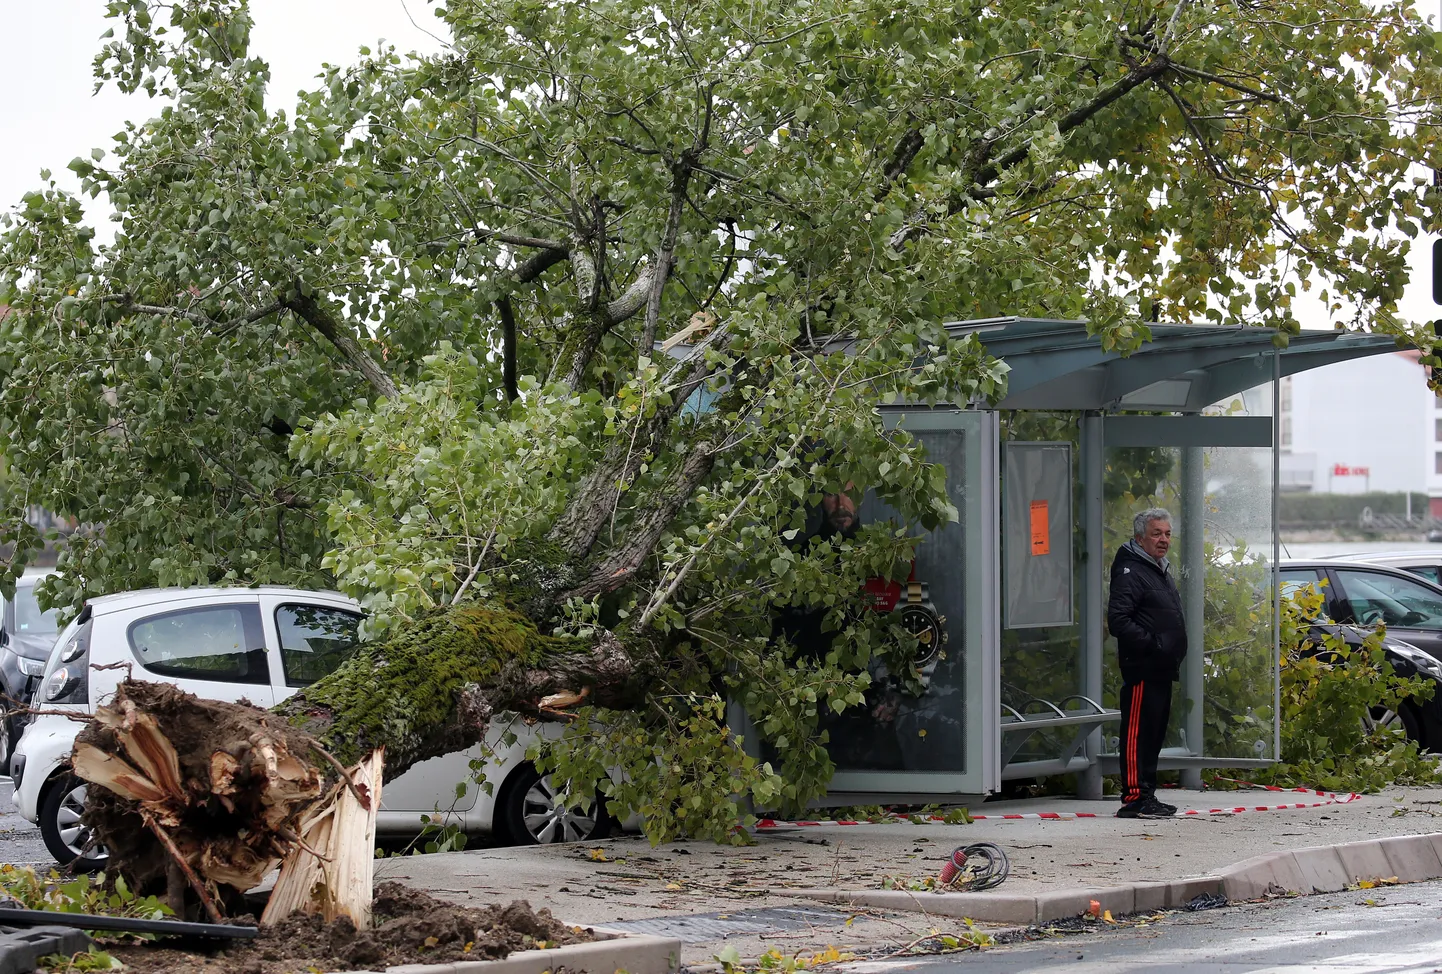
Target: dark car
[(1357, 597), (26, 637)]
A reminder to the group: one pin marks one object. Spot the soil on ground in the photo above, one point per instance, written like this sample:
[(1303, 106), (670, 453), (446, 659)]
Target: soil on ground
[(408, 927)]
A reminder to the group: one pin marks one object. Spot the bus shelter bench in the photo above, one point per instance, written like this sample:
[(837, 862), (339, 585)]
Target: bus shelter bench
[(1084, 715)]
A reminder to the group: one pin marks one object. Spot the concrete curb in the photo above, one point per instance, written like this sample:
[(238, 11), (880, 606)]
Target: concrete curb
[(1322, 869), (633, 953)]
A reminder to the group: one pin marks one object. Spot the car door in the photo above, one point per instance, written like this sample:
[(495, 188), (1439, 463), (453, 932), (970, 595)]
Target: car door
[(1410, 608), (1291, 580), (311, 637)]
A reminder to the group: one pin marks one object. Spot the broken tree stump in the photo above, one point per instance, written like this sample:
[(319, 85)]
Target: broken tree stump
[(331, 869), (227, 783)]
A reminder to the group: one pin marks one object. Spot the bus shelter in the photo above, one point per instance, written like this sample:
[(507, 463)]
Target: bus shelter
[(1046, 483)]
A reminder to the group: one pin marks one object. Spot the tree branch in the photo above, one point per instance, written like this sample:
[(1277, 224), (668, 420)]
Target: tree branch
[(308, 309), (519, 240), (1135, 78), (508, 348), (666, 252), (1225, 82), (989, 172), (591, 507), (901, 157), (537, 264), (1166, 42), (1216, 164), (126, 303), (633, 299), (620, 565)]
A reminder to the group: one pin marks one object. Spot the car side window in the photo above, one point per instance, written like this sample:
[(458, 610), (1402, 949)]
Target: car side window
[(1432, 573), (314, 640), (1291, 581), (1372, 598), (218, 642)]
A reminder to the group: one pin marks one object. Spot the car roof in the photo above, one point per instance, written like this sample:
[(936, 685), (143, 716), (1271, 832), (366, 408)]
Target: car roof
[(104, 604), (1415, 556), (1330, 562), (1371, 566)]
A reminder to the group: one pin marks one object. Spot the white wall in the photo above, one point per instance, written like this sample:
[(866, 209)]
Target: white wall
[(1374, 412)]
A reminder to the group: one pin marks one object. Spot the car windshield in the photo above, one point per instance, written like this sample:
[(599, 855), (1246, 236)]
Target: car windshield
[(29, 619)]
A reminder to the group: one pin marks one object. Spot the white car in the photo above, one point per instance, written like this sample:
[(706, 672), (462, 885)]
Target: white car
[(260, 645)]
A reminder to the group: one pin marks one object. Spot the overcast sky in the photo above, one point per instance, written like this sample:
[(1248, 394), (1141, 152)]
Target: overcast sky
[(50, 115), (46, 46)]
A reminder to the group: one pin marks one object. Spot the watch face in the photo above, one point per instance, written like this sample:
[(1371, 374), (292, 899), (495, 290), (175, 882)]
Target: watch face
[(922, 623)]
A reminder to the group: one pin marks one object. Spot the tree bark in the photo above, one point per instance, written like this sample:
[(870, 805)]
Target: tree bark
[(311, 311)]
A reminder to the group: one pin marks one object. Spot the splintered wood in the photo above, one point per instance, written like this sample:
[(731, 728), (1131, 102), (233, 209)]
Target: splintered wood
[(331, 870), (228, 792)]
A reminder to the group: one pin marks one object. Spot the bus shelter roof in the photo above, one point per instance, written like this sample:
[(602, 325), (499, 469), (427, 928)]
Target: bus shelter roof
[(1183, 368)]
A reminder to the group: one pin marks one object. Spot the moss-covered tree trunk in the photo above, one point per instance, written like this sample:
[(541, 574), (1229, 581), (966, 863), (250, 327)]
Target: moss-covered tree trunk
[(433, 687)]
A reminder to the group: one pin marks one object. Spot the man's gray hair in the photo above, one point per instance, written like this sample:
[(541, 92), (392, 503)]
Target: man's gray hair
[(1145, 518)]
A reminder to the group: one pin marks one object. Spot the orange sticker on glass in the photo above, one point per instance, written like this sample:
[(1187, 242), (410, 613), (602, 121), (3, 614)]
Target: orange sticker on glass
[(1040, 529)]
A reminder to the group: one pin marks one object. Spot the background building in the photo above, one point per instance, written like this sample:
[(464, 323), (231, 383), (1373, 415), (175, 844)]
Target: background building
[(1366, 425)]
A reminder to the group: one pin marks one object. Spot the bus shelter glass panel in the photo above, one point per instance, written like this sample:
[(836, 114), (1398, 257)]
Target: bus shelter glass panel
[(1221, 502), (1240, 667), (933, 742), (1041, 648)]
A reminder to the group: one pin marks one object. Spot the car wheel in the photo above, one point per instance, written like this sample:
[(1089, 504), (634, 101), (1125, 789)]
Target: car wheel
[(1382, 719), (65, 835), (1428, 717), (532, 811)]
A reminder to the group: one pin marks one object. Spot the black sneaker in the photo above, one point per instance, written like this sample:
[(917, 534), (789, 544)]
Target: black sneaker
[(1151, 808), (1131, 809)]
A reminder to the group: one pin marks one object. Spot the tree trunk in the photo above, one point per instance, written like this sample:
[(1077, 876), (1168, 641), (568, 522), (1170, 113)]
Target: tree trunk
[(232, 787)]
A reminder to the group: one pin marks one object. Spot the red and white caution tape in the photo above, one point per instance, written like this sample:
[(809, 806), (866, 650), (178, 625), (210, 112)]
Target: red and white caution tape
[(1328, 798)]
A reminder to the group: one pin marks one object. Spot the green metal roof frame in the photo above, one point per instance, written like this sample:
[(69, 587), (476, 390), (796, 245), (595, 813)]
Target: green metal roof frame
[(1058, 365)]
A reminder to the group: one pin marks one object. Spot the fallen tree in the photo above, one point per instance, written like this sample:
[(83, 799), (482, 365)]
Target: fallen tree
[(218, 794), (549, 347)]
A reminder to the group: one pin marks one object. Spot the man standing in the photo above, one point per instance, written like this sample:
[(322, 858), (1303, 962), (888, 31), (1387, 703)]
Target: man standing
[(1145, 615)]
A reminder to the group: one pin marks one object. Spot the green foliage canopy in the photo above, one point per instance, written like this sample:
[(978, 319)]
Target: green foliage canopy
[(403, 340)]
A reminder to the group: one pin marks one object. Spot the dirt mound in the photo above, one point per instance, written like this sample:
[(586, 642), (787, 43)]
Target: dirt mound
[(409, 927)]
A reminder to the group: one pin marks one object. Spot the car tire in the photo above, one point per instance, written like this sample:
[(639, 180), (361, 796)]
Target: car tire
[(531, 812), (1405, 716), (67, 838), (1428, 717), (7, 741)]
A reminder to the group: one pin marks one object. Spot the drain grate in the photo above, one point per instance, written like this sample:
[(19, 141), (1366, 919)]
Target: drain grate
[(701, 927)]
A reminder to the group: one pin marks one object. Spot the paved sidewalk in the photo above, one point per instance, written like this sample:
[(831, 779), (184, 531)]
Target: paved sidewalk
[(624, 879)]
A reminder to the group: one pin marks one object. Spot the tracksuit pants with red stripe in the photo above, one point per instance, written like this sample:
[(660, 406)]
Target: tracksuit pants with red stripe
[(1146, 707)]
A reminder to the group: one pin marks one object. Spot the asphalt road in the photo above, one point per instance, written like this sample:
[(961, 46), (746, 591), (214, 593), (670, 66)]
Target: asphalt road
[(1398, 932), (20, 842)]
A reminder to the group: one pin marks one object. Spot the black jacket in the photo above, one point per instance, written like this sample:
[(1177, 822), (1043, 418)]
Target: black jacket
[(1145, 615)]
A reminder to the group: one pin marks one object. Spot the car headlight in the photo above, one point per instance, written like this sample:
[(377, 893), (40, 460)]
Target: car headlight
[(30, 667), (1426, 665)]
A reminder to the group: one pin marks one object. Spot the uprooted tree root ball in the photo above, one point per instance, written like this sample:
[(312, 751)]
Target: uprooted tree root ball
[(224, 782), (226, 791), (409, 927)]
